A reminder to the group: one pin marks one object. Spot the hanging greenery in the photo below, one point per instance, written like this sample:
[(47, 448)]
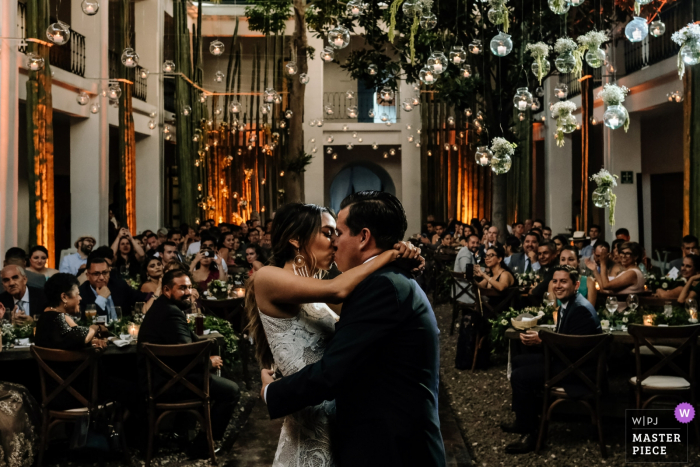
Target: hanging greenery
[(498, 14), (689, 40), (540, 51), (566, 122), (613, 96), (589, 44), (603, 196)]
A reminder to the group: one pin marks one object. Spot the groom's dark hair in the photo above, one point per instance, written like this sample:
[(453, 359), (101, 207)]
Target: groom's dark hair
[(378, 211)]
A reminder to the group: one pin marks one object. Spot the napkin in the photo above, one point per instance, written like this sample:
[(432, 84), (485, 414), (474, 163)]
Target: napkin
[(121, 343), (673, 273), (207, 331)]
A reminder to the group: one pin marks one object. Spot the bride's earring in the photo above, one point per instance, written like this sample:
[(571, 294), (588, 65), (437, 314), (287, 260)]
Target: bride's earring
[(299, 265)]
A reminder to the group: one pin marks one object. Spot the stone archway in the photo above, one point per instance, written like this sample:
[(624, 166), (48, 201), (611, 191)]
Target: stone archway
[(359, 176)]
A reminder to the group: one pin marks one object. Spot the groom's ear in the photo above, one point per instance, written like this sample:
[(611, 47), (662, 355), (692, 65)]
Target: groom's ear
[(365, 238)]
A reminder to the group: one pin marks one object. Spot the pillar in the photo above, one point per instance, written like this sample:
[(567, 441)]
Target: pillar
[(313, 110), (410, 162)]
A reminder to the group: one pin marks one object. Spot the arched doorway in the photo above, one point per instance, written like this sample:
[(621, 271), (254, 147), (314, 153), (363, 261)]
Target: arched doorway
[(359, 176)]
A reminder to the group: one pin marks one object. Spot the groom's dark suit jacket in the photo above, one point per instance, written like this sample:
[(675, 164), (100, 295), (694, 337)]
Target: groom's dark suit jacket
[(381, 367)]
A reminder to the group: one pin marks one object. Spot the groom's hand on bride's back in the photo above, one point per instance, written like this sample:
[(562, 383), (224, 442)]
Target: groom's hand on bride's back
[(409, 257)]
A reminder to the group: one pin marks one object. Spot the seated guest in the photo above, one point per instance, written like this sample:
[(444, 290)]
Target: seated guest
[(538, 224), (21, 303), (168, 251), (691, 272), (560, 241), (630, 280), (547, 233), (151, 273), (439, 232), (254, 236), (526, 261), (162, 235), (127, 253), (570, 257), (594, 233), (107, 292), (253, 256), (464, 257), (547, 257), (209, 243), (447, 245), (689, 247), (500, 277), (577, 317), (166, 324), (38, 255), (613, 268), (266, 244), (518, 230), (18, 257), (225, 248), (622, 234), (152, 244), (206, 267), (71, 263), (511, 247)]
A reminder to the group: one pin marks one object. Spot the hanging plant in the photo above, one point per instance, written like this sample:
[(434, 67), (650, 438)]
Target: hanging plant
[(412, 9), (616, 114), (591, 42), (539, 51), (498, 14), (603, 196), (689, 40), (502, 151), (566, 123), (566, 61)]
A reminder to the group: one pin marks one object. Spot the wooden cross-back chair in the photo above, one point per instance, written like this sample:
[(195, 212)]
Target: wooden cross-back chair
[(555, 345), (200, 403), (87, 360)]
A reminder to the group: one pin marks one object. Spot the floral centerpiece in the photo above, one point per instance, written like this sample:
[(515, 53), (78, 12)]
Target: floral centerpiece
[(502, 150), (223, 327), (678, 316), (237, 278), (498, 14), (591, 42), (566, 62), (616, 114), (526, 280), (501, 323), (603, 196), (664, 282), (566, 123), (134, 283), (10, 332), (689, 40), (217, 290), (539, 51)]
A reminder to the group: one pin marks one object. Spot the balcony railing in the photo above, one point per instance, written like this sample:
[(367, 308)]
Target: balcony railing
[(69, 57), (365, 101), (652, 50), (132, 74)]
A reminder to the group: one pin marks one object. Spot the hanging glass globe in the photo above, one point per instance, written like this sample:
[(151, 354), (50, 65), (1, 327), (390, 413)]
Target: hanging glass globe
[(151, 124), (637, 29), (169, 66), (329, 150), (539, 91), (690, 52), (427, 76), (576, 2), (312, 123), (483, 156), (521, 116), (567, 124), (291, 68), (657, 28), (269, 94), (95, 107), (465, 70), (428, 21), (330, 139), (304, 78), (349, 94), (327, 54), (375, 146), (501, 45), (386, 93), (152, 114), (114, 103), (392, 152), (410, 138), (339, 37), (143, 73), (58, 33), (458, 55), (384, 117), (219, 77), (354, 8), (370, 114), (475, 47), (438, 62), (565, 62), (535, 105), (186, 110), (415, 100), (412, 7), (82, 98), (602, 197), (468, 112), (314, 149), (90, 7), (114, 91), (349, 145), (559, 7), (265, 109), (372, 70), (130, 58), (218, 111), (451, 121), (595, 57), (644, 2), (406, 105), (417, 144), (216, 48), (328, 109), (535, 67), (234, 107), (501, 165), (288, 114), (352, 111), (522, 100), (202, 97), (614, 116), (561, 91)]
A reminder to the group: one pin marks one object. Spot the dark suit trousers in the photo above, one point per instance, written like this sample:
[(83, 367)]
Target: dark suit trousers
[(527, 381)]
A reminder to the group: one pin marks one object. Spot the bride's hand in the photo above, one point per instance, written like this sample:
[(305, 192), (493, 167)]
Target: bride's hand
[(267, 377), (409, 257), (407, 250)]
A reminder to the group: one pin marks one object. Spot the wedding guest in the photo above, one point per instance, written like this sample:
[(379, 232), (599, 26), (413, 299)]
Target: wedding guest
[(547, 258), (127, 253), (447, 244), (266, 244), (38, 255), (518, 230), (594, 234), (151, 273), (526, 261), (630, 280), (464, 257), (166, 324), (511, 247), (206, 267), (689, 247), (21, 303), (168, 252), (162, 235), (547, 233), (527, 225), (107, 292), (209, 243), (227, 246), (622, 234), (689, 269), (71, 263), (253, 256), (492, 237), (439, 232), (576, 317), (570, 257), (188, 237), (691, 289), (18, 257), (538, 224), (500, 277), (254, 237), (560, 241)]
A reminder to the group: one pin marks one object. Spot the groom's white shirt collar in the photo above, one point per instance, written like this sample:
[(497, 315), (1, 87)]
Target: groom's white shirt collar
[(370, 259)]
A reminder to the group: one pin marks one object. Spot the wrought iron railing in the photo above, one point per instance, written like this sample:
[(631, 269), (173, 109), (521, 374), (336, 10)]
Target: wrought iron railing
[(652, 50), (132, 74), (69, 57), (365, 101)]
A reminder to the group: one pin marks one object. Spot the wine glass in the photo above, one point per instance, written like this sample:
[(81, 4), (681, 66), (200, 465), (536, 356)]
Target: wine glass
[(611, 304), (632, 302), (548, 299), (691, 305), (117, 313), (91, 312)]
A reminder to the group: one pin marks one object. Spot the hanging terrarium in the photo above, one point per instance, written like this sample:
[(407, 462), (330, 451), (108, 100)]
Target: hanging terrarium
[(475, 47), (384, 117), (603, 196), (90, 7), (522, 100), (689, 40), (566, 122), (202, 97), (265, 109), (498, 14), (186, 110), (565, 61), (58, 33), (407, 105), (339, 37), (465, 71), (415, 100), (458, 55), (616, 114), (438, 62), (351, 111), (468, 112), (386, 94), (370, 113), (130, 58), (372, 70), (502, 155), (354, 8), (327, 54), (576, 3), (349, 94), (535, 106), (540, 67), (501, 44), (559, 7), (114, 91), (304, 78), (637, 29), (82, 98), (219, 77), (143, 73), (169, 66), (216, 47), (428, 21), (561, 90), (269, 95), (291, 68), (95, 107), (234, 107), (591, 42), (328, 109), (657, 28)]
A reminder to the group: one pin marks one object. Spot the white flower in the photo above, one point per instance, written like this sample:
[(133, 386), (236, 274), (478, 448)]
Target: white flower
[(604, 178), (613, 94), (538, 49), (604, 323), (691, 31), (563, 108), (593, 39), (564, 45), (504, 322), (626, 313), (664, 285), (625, 319), (501, 146), (540, 314)]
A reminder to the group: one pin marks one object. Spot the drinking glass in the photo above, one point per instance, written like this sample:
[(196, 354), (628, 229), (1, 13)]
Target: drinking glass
[(632, 302), (118, 312), (691, 305), (611, 304), (138, 308), (90, 312), (548, 299)]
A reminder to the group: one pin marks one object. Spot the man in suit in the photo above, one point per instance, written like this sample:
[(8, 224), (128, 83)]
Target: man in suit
[(166, 324), (465, 256), (594, 233), (20, 302), (18, 257), (690, 247), (548, 259), (106, 292), (526, 261), (576, 317), (382, 364)]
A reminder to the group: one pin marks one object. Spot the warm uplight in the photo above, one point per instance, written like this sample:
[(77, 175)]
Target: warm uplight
[(648, 320)]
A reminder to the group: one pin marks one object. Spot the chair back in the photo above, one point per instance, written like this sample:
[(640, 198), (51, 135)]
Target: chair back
[(685, 337), (555, 346), (88, 359), (463, 286), (199, 351)]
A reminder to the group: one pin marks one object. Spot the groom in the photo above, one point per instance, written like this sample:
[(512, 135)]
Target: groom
[(382, 364)]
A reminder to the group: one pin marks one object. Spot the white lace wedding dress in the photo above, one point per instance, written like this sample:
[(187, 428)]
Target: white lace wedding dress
[(296, 342)]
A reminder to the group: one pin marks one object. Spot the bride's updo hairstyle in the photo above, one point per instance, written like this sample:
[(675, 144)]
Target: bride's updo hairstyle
[(294, 221)]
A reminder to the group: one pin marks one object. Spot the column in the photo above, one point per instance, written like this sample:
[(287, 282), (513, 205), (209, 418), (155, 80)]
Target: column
[(410, 162), (557, 173), (9, 125), (313, 110)]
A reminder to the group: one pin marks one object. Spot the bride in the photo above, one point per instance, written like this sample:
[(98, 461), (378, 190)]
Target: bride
[(291, 323)]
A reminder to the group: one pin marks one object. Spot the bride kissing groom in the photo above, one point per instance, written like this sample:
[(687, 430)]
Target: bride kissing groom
[(360, 389)]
